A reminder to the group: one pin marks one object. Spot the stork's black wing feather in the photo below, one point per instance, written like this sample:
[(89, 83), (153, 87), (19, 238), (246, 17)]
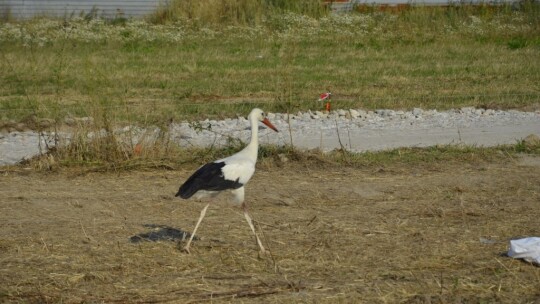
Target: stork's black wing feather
[(209, 177)]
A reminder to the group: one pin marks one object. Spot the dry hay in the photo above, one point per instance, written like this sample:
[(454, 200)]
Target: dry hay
[(430, 234)]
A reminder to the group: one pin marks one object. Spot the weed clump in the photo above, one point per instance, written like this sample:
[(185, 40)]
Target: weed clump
[(235, 12)]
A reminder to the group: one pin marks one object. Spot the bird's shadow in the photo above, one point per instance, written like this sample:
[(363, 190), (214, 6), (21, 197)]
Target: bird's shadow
[(161, 233)]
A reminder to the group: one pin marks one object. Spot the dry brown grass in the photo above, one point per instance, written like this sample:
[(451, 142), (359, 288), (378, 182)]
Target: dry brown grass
[(373, 234)]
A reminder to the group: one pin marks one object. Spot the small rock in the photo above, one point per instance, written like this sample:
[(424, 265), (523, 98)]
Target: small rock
[(354, 114), (479, 111), (333, 115), (271, 116), (489, 112), (370, 115), (385, 113), (467, 110), (531, 141), (341, 112), (409, 115), (288, 116), (417, 111)]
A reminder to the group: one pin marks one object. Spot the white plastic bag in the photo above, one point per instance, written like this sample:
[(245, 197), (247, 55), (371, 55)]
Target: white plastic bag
[(527, 249)]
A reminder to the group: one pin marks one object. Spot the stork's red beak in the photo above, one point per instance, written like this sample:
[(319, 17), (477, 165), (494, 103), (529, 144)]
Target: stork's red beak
[(269, 124)]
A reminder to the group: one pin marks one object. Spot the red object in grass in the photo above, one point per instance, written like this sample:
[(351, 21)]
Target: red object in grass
[(326, 96)]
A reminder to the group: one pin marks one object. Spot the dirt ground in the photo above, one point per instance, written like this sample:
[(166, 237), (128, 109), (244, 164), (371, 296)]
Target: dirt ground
[(399, 234)]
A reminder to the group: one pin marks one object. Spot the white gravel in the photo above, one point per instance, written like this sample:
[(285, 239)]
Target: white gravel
[(358, 131)]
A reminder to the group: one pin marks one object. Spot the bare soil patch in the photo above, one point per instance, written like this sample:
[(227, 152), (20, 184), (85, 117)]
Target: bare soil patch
[(413, 234)]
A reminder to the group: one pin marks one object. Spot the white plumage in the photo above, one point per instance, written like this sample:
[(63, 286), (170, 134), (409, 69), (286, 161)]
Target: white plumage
[(238, 168), (227, 174)]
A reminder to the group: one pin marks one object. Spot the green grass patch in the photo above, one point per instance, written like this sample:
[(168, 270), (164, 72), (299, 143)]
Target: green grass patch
[(186, 68)]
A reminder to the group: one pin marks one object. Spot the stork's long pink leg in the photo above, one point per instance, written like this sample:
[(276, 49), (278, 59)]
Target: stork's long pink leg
[(203, 212), (250, 222)]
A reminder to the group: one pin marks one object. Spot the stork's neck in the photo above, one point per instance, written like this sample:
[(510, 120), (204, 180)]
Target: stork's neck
[(253, 147)]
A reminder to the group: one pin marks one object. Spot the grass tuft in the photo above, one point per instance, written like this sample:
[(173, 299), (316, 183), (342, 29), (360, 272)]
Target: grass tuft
[(235, 12), (100, 149)]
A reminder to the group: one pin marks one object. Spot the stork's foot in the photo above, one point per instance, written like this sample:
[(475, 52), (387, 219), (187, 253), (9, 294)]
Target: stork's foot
[(263, 253), (185, 250)]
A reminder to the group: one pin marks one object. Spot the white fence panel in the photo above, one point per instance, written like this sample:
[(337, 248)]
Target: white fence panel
[(24, 9)]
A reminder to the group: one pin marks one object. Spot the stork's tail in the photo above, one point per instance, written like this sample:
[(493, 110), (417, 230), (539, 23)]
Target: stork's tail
[(186, 191)]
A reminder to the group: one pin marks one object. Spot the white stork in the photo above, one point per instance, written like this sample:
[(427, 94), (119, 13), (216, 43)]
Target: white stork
[(227, 174)]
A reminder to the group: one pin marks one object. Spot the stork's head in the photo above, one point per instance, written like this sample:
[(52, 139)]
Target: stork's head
[(259, 115)]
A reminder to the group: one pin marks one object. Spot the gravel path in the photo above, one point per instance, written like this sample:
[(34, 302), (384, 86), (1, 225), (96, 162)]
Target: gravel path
[(358, 131)]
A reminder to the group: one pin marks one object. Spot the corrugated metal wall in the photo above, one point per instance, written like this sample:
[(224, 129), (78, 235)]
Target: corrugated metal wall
[(24, 9), (340, 6)]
